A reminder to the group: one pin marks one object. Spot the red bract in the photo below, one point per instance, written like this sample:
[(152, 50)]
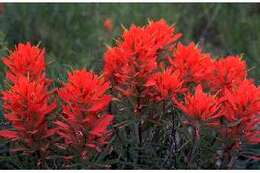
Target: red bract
[(240, 108), (135, 57), (162, 35), (84, 100), (108, 24), (227, 72), (117, 58), (27, 61), (242, 130), (200, 106), (163, 85), (241, 102), (26, 106), (150, 39), (194, 66), (84, 94)]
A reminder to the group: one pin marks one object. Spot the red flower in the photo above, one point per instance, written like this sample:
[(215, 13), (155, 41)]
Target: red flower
[(108, 24), (241, 102), (27, 103), (162, 34), (135, 57), (194, 66), (200, 106), (240, 108), (26, 106), (84, 94), (99, 134), (164, 85), (84, 100), (116, 58), (227, 72), (242, 130), (27, 61)]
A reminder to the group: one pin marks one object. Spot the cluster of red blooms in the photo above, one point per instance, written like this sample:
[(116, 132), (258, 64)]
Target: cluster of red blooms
[(134, 59), (27, 104), (84, 126), (148, 66), (27, 61), (147, 62)]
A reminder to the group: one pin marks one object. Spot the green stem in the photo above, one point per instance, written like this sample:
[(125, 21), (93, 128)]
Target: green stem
[(195, 145), (174, 144)]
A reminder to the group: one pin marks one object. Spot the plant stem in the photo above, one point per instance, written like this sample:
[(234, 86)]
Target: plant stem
[(232, 161), (174, 144), (195, 144), (140, 137), (232, 155)]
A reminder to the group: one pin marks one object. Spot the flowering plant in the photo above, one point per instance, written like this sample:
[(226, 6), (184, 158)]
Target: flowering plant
[(155, 98), (84, 126)]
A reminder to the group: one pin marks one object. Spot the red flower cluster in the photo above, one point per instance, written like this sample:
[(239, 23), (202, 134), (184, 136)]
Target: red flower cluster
[(242, 106), (26, 107), (132, 66), (235, 99), (84, 101), (147, 66), (27, 103), (194, 66), (227, 72), (132, 61), (200, 106), (27, 61), (163, 85), (241, 102)]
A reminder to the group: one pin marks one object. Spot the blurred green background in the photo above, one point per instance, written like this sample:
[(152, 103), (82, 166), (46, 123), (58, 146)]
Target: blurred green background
[(74, 35)]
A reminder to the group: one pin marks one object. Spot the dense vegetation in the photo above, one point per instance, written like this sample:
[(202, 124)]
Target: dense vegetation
[(76, 36)]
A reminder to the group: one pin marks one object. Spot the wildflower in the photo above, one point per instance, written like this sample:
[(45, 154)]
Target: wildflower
[(27, 61), (241, 102), (246, 130), (240, 108), (108, 24), (84, 138), (117, 58), (84, 94), (26, 106), (135, 53), (200, 106), (194, 66), (99, 134), (163, 34), (163, 85), (227, 72), (84, 101), (134, 59)]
